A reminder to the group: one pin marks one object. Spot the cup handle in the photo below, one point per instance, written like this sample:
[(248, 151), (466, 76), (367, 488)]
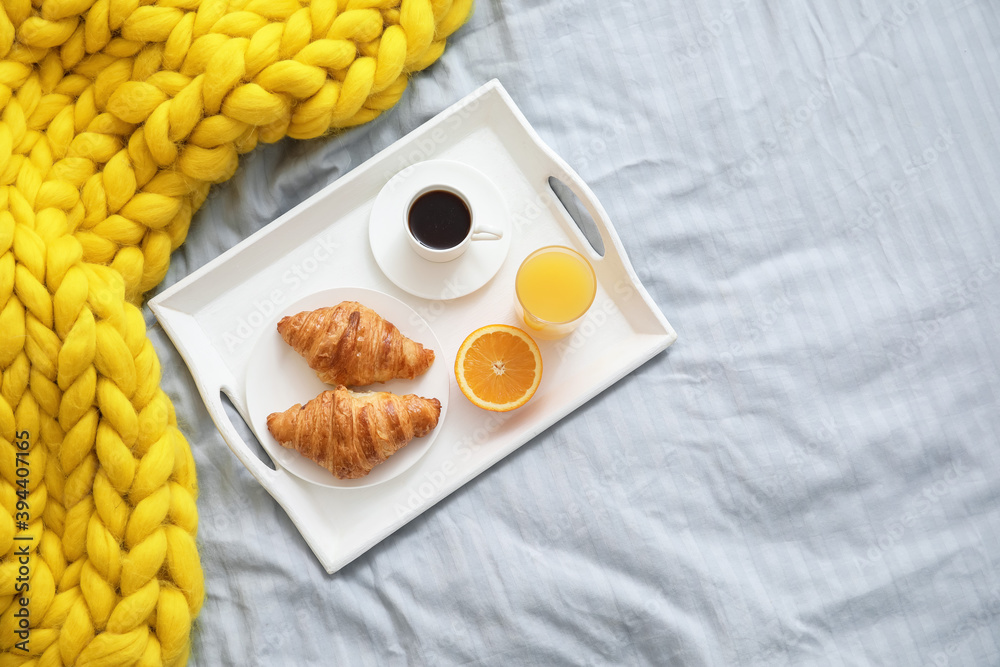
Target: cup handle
[(486, 233)]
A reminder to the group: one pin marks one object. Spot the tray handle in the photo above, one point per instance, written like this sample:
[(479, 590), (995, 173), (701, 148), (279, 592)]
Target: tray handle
[(213, 400), (554, 168)]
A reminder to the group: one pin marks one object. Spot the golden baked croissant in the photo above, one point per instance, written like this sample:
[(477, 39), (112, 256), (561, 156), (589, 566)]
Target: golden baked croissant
[(349, 433), (351, 344)]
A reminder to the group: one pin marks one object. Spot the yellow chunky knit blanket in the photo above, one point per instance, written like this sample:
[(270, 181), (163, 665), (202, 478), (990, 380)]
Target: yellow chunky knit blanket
[(117, 117)]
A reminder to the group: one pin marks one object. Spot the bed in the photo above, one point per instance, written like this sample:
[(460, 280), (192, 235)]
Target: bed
[(808, 476)]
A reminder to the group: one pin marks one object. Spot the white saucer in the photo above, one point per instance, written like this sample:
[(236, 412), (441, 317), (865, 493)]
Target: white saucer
[(416, 275)]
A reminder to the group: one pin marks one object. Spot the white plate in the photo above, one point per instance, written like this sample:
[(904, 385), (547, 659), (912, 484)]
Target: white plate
[(438, 280), (278, 378)]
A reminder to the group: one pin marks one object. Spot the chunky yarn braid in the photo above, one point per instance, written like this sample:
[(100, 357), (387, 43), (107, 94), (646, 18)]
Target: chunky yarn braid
[(117, 117)]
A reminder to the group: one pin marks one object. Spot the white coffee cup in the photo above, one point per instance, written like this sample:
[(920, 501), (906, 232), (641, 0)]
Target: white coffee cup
[(440, 223)]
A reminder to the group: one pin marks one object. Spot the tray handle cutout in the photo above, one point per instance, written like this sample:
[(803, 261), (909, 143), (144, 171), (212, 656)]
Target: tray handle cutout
[(579, 213), (247, 436), (237, 433)]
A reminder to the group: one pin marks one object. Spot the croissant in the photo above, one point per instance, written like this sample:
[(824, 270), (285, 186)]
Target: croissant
[(349, 433), (350, 344)]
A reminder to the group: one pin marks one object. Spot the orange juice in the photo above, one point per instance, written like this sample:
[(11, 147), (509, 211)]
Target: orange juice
[(555, 286)]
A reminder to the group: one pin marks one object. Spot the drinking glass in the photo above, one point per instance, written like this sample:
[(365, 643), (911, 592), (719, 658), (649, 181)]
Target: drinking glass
[(554, 288)]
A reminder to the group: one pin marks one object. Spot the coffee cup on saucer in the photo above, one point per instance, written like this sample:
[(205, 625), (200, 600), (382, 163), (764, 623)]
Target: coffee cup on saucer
[(440, 223), (393, 247)]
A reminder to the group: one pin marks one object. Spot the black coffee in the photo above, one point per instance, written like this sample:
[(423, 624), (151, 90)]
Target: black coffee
[(439, 219)]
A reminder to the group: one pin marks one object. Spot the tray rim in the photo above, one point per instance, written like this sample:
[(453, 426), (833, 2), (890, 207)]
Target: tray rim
[(283, 487)]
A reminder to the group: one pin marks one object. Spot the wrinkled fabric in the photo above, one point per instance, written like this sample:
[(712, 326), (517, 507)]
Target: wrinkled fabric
[(809, 475)]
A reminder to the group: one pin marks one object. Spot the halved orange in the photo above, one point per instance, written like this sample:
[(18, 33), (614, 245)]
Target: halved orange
[(498, 367)]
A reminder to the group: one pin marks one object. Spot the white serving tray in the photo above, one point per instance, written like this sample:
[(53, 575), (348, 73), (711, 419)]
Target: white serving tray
[(216, 316)]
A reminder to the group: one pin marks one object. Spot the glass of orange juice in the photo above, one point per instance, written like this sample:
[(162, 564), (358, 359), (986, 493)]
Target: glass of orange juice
[(554, 288)]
